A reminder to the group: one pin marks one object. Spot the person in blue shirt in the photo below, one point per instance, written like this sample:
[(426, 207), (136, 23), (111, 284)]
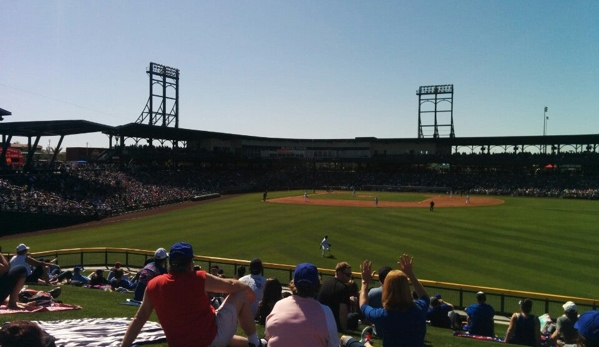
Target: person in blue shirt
[(78, 277), (402, 320), (480, 317), (120, 283), (375, 295), (588, 329), (438, 312), (151, 270)]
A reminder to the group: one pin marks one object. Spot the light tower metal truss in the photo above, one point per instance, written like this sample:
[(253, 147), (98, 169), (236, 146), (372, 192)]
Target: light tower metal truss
[(436, 95), (164, 95)]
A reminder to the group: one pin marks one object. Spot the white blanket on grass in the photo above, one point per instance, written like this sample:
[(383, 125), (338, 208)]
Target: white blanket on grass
[(98, 332)]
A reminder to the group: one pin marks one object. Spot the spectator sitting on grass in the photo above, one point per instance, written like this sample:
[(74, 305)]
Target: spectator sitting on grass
[(216, 299), (588, 329), (256, 281), (299, 320), (402, 319), (375, 295), (524, 328), (184, 311), (97, 278), (120, 283), (334, 293), (78, 278), (438, 312), (565, 332), (116, 266), (37, 276), (481, 317), (273, 292), (151, 270), (12, 280)]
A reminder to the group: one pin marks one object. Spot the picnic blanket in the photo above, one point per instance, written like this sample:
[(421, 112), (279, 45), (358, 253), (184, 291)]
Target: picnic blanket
[(55, 306), (477, 337), (130, 302), (99, 332)]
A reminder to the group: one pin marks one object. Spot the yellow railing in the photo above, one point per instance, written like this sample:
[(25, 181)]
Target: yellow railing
[(460, 295)]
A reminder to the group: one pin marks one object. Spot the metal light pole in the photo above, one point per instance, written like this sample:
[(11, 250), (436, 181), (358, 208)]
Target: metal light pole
[(545, 118)]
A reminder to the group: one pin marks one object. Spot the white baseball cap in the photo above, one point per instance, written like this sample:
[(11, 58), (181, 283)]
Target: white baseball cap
[(22, 247), (160, 254), (570, 306)]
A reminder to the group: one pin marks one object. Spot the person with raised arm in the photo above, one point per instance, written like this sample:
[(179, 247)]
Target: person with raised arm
[(401, 319)]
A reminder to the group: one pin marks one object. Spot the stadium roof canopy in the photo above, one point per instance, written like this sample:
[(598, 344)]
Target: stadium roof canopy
[(157, 132), (134, 130), (3, 113), (179, 134), (52, 128), (166, 133)]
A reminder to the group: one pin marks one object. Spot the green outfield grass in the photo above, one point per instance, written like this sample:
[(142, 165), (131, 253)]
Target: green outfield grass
[(540, 245), (531, 244)]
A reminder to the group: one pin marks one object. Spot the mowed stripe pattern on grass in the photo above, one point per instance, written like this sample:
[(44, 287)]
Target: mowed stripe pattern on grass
[(541, 245)]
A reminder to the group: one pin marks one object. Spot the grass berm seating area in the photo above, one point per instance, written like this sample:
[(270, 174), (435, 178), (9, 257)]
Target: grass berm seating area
[(524, 245)]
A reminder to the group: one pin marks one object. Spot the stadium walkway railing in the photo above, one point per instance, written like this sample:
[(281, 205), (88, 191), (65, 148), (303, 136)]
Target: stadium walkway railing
[(505, 301)]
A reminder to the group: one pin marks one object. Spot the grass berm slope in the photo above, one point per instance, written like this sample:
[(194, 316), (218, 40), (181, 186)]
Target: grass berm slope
[(540, 245)]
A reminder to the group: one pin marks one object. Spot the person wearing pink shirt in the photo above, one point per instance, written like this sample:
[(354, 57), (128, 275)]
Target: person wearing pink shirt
[(300, 320)]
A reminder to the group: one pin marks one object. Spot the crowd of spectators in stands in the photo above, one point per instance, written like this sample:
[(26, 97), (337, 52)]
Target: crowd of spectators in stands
[(106, 189)]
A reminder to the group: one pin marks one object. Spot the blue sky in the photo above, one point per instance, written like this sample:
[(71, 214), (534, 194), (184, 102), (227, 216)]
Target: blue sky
[(305, 69)]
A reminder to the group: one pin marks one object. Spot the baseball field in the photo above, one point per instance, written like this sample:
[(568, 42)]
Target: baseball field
[(532, 244)]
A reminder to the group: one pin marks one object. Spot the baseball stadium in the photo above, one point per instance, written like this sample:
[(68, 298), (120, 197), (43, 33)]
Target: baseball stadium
[(513, 216)]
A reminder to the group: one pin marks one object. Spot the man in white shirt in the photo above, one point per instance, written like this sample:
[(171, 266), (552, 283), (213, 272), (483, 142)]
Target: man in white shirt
[(41, 267), (325, 245), (256, 281)]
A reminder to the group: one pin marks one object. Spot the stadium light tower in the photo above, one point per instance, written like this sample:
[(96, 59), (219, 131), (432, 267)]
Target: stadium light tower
[(162, 108), (435, 95)]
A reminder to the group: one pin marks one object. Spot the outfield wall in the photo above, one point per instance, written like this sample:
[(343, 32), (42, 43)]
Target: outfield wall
[(18, 222)]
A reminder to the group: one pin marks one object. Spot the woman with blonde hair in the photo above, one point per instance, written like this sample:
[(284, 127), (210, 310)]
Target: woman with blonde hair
[(402, 319)]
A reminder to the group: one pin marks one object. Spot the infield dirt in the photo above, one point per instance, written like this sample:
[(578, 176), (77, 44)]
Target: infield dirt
[(440, 201)]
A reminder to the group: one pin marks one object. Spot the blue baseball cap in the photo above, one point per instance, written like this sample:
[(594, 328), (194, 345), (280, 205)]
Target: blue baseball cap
[(181, 251), (306, 276), (588, 326)]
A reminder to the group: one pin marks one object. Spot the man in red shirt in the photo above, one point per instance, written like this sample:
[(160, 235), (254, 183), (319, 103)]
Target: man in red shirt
[(184, 310)]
